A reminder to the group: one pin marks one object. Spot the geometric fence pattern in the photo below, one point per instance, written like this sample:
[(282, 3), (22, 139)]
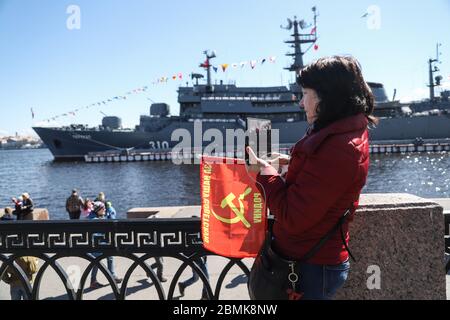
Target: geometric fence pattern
[(137, 240)]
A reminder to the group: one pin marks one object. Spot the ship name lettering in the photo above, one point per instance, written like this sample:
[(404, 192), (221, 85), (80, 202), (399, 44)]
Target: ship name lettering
[(80, 136)]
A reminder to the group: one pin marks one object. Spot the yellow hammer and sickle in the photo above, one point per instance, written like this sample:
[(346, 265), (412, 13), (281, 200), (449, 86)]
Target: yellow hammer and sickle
[(228, 201)]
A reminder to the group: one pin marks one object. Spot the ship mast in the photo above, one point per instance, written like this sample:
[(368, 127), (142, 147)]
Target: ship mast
[(432, 69), (299, 39), (207, 65)]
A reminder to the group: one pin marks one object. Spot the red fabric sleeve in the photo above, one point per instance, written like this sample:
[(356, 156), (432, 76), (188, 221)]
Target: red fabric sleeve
[(323, 179)]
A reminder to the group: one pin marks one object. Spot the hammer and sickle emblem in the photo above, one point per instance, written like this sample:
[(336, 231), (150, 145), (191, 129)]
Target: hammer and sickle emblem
[(228, 202)]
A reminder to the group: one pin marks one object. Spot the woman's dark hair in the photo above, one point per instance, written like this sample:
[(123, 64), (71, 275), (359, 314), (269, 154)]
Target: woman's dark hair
[(341, 88)]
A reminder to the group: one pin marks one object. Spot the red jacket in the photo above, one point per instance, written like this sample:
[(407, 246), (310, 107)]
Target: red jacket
[(326, 173)]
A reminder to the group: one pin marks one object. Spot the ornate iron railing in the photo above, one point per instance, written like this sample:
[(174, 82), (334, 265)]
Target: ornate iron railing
[(137, 240)]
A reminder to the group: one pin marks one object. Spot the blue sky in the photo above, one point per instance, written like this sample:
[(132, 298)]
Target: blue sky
[(123, 45)]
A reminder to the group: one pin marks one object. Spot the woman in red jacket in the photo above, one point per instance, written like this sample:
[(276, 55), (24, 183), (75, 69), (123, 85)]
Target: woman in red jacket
[(326, 173)]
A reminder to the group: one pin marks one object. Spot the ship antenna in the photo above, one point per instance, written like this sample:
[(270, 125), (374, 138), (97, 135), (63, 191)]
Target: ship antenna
[(432, 69), (196, 76), (299, 39)]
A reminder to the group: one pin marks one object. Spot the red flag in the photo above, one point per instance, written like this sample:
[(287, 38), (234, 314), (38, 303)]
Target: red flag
[(313, 30), (316, 47), (205, 64), (234, 215)]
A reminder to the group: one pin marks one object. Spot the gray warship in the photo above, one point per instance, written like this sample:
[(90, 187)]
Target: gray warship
[(226, 106)]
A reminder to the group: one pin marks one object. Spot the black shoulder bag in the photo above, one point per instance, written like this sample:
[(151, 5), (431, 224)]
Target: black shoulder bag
[(274, 278)]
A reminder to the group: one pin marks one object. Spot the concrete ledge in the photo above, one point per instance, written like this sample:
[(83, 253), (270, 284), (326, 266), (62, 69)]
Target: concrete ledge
[(38, 214), (141, 213), (164, 212), (443, 202), (397, 239)]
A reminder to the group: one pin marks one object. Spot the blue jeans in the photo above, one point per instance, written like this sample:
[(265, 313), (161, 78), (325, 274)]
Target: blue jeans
[(17, 293), (110, 267), (321, 282)]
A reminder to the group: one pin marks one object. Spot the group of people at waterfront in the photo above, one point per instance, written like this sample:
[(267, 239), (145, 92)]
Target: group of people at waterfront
[(78, 207), (23, 206)]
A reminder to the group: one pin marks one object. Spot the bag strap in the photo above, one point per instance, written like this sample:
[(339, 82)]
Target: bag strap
[(345, 245), (322, 241)]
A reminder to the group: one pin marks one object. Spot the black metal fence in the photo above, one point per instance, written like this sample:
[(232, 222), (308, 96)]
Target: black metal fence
[(137, 240)]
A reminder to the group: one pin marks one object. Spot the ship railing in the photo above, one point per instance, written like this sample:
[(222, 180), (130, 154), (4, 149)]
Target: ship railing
[(443, 141), (244, 98), (211, 120), (87, 243)]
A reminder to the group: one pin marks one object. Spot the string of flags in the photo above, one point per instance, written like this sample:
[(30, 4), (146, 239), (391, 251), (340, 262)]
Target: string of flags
[(163, 79), (100, 103), (223, 66)]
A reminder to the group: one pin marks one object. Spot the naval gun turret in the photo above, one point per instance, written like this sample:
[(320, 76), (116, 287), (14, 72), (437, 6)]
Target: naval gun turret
[(113, 123), (159, 110)]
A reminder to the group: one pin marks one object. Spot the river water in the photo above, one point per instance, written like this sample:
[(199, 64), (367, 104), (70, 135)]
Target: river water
[(150, 184)]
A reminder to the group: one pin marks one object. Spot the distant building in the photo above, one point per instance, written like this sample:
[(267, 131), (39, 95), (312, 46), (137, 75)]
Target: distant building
[(12, 142), (19, 142)]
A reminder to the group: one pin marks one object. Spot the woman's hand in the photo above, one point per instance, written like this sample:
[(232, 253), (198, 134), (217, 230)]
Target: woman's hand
[(280, 159), (256, 164)]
